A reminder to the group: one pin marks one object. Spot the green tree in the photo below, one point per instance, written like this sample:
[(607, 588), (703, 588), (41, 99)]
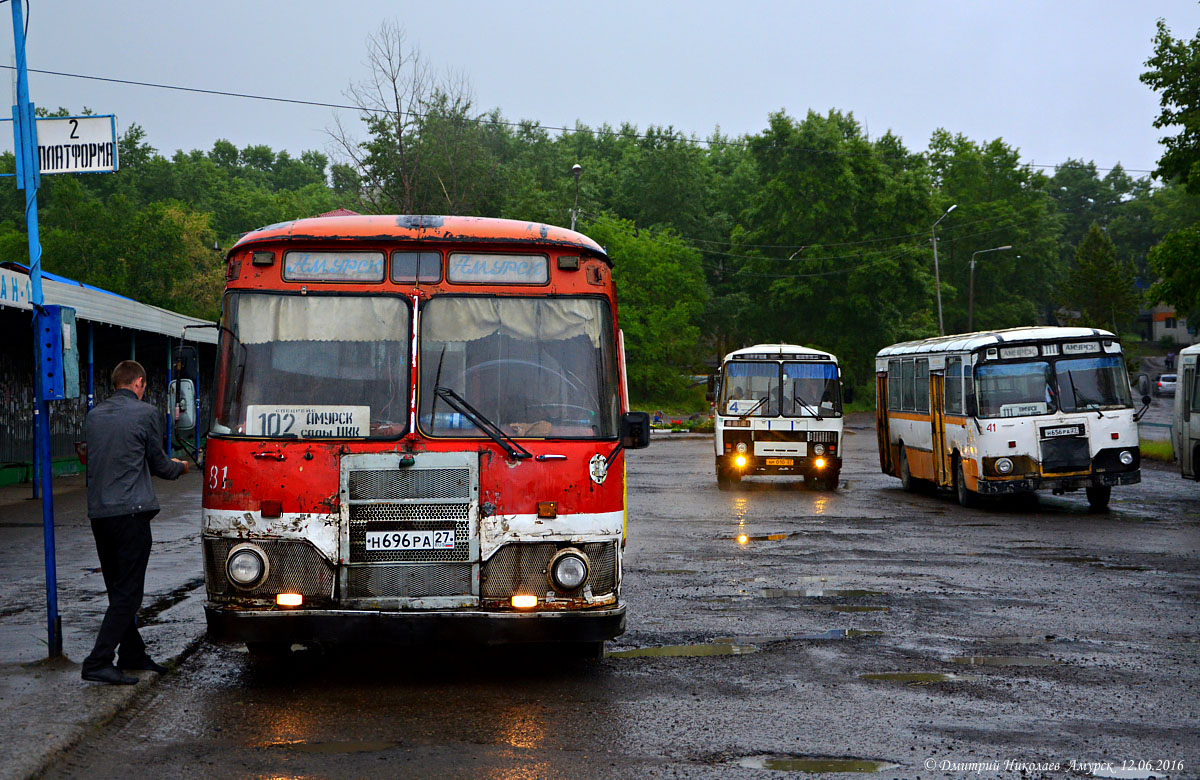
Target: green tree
[(1099, 286), (1174, 72), (1176, 260)]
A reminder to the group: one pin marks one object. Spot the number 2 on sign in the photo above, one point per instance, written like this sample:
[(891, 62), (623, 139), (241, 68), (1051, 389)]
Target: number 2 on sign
[(212, 477)]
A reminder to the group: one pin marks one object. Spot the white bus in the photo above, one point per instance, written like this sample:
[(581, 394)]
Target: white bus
[(1009, 411), (779, 411), (1187, 411)]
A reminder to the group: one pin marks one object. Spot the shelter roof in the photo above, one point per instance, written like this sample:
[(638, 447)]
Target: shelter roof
[(95, 304)]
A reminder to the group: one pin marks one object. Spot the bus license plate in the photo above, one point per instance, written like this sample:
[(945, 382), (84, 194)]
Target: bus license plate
[(779, 461), (382, 541)]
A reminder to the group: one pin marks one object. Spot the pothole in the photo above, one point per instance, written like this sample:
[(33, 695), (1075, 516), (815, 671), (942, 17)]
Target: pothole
[(845, 608), (335, 747), (917, 678), (840, 633), (817, 593), (685, 651), (1003, 660), (814, 765)]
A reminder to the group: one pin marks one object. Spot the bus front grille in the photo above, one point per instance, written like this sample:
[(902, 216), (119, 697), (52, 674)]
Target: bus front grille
[(293, 566), (521, 568), (1065, 455), (408, 580)]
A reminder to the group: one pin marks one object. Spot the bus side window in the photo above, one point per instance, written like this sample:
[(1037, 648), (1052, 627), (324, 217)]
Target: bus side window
[(894, 383), (909, 397), (922, 385), (954, 385), (968, 391)]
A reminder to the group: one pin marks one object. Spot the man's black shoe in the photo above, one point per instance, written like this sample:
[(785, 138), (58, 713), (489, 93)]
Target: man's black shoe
[(144, 665), (110, 675)]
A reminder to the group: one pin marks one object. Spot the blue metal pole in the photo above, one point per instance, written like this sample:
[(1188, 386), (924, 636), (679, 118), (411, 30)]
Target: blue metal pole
[(25, 147), (170, 402), (91, 399)]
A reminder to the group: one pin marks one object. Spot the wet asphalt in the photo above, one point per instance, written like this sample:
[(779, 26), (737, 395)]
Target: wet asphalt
[(867, 630)]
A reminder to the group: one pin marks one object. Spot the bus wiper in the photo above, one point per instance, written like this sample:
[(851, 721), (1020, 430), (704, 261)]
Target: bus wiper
[(1086, 401), (490, 429), (805, 405), (751, 410)]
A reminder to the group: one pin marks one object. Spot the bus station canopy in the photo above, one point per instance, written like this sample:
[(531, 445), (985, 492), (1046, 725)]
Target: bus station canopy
[(97, 305)]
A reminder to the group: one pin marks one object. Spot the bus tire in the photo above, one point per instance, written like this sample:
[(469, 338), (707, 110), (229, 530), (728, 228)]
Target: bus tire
[(268, 651), (1098, 497), (907, 480), (966, 497), (727, 480), (831, 480)]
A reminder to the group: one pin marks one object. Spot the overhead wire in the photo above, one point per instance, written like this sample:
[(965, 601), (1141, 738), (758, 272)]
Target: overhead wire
[(710, 142)]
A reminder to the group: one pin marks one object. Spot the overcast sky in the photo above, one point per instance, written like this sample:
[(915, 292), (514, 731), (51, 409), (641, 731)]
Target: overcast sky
[(1055, 79)]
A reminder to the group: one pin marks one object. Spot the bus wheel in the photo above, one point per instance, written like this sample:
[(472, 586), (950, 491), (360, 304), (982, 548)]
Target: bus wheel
[(966, 497), (1098, 497), (831, 480), (727, 480), (906, 477), (582, 651)]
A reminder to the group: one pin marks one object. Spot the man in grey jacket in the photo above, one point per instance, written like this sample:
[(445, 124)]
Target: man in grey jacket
[(124, 447)]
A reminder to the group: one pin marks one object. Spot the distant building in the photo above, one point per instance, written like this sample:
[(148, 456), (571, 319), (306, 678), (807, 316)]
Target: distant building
[(1164, 322)]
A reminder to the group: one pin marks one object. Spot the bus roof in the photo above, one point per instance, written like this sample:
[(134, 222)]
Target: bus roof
[(968, 342), (416, 227), (779, 352), (1192, 350)]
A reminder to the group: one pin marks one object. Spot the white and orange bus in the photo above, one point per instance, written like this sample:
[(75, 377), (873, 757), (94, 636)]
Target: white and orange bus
[(1009, 411), (417, 437)]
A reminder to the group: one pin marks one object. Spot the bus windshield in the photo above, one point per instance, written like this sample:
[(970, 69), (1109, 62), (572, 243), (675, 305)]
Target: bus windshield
[(1015, 389), (535, 367), (811, 390), (750, 388), (1093, 383), (314, 366)]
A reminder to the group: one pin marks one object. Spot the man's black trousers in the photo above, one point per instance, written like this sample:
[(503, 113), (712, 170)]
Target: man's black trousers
[(123, 543)]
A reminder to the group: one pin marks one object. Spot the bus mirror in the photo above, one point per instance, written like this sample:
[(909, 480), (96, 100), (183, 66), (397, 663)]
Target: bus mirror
[(187, 364), (848, 394), (635, 430), (710, 394), (182, 397)]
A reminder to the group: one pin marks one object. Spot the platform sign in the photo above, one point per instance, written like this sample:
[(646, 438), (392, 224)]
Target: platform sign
[(77, 144)]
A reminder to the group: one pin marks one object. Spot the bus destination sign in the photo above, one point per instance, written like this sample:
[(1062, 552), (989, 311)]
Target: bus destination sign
[(308, 422), (472, 268), (77, 144), (333, 266)]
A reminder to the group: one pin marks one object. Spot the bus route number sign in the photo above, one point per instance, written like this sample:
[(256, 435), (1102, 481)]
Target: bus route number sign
[(307, 422)]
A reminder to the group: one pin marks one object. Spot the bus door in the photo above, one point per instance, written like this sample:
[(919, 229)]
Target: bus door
[(881, 423), (1189, 425), (937, 419)]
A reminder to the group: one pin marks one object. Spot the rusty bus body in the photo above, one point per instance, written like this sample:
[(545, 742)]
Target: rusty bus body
[(418, 435)]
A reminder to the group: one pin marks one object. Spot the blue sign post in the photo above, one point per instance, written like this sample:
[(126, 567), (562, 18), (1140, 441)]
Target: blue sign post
[(28, 179)]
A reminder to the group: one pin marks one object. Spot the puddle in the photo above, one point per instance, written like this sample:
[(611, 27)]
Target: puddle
[(845, 608), (817, 593), (839, 633), (814, 765), (676, 571), (335, 747), (1003, 660), (1021, 639), (919, 678), (747, 538), (685, 651)]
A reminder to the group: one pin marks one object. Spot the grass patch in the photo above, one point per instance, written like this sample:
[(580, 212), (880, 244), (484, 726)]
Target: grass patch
[(1158, 450)]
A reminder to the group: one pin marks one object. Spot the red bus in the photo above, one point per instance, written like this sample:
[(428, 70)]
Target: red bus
[(418, 426)]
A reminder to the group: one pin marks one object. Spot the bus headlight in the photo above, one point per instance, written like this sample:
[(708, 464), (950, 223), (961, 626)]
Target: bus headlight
[(246, 566), (568, 570), (1004, 466), (741, 446), (1126, 457), (818, 449), (739, 461)]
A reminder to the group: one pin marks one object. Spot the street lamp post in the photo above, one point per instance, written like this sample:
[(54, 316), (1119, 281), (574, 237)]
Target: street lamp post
[(971, 286), (576, 169), (937, 275)]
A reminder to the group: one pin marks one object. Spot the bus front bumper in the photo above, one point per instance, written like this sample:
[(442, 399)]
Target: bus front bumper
[(997, 487), (231, 624)]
